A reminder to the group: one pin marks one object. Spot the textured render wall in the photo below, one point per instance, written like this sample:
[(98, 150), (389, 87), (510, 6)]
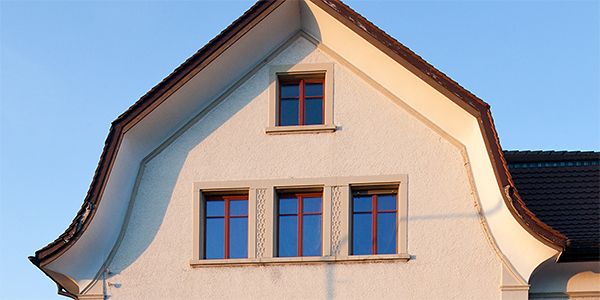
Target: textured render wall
[(452, 258), (579, 280)]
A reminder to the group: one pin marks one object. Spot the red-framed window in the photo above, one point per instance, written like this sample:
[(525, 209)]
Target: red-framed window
[(226, 227), (299, 224), (374, 222), (301, 101)]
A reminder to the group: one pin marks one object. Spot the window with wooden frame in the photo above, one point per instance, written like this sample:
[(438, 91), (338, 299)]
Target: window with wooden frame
[(225, 226), (301, 100), (374, 220), (299, 222)]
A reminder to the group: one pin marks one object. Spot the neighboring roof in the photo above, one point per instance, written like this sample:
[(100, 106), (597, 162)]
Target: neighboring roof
[(362, 27), (562, 188)]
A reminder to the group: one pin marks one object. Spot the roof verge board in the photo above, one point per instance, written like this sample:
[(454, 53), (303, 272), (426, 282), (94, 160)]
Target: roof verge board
[(363, 28)]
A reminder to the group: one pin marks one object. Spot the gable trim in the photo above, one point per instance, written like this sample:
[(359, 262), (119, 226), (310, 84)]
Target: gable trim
[(462, 97), (146, 104), (238, 28)]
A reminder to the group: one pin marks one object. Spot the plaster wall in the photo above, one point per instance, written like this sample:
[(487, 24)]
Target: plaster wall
[(86, 257), (423, 98), (451, 256), (575, 280)]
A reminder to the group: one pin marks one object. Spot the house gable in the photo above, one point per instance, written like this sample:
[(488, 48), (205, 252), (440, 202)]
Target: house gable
[(229, 144), (420, 88)]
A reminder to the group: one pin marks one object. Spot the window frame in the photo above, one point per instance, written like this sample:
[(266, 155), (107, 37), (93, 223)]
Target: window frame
[(301, 81), (279, 73), (201, 193), (300, 219), (226, 198), (336, 218), (375, 212)]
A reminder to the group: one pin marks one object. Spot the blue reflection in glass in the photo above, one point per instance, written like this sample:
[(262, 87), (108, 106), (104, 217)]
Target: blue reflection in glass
[(289, 112), (238, 237), (361, 234), (312, 204), (311, 235), (313, 111), (386, 233), (288, 205), (289, 90), (362, 203), (386, 202), (313, 89), (288, 236), (215, 245), (215, 208), (238, 207)]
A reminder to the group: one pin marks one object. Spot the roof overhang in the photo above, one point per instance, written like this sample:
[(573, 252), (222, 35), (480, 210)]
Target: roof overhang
[(125, 138)]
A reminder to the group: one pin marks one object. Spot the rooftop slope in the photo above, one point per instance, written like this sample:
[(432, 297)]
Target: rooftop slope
[(562, 188)]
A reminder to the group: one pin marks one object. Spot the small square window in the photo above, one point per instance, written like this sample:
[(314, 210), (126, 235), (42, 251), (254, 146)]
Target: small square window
[(301, 101), (374, 221), (226, 226), (299, 222)]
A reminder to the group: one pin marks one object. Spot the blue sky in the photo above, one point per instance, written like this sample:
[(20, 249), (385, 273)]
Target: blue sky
[(67, 69)]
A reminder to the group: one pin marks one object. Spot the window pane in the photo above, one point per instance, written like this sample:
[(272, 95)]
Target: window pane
[(289, 90), (289, 112), (215, 208), (313, 111), (362, 203), (311, 235), (238, 237), (386, 233), (313, 89), (361, 234), (288, 205), (312, 204), (386, 202), (288, 236), (238, 207), (215, 243)]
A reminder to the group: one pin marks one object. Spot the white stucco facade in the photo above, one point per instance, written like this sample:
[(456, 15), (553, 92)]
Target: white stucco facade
[(451, 257), (386, 122)]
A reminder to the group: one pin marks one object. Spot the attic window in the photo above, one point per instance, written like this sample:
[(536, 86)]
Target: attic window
[(301, 99)]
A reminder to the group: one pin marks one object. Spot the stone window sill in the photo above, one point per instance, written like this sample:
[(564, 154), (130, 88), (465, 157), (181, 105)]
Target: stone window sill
[(300, 129), (196, 263)]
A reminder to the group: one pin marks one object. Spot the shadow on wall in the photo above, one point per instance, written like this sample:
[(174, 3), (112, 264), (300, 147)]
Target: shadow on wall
[(145, 217), (565, 279)]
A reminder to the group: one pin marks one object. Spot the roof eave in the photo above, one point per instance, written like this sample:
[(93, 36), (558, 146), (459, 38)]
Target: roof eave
[(365, 29), (462, 97)]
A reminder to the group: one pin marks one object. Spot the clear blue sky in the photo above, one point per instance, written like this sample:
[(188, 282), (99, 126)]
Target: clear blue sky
[(69, 68)]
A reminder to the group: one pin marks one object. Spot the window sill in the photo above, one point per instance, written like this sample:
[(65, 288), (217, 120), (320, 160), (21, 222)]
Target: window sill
[(196, 263), (300, 129)]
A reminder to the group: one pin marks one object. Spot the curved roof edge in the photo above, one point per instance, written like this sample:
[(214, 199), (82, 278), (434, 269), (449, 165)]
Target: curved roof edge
[(132, 115), (357, 23)]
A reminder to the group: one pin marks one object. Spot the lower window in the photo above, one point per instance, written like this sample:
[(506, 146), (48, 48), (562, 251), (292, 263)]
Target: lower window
[(226, 227), (299, 224), (374, 221)]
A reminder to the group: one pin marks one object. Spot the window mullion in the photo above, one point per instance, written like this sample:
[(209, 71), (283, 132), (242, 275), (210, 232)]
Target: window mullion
[(374, 224), (300, 223), (226, 255), (301, 103)]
